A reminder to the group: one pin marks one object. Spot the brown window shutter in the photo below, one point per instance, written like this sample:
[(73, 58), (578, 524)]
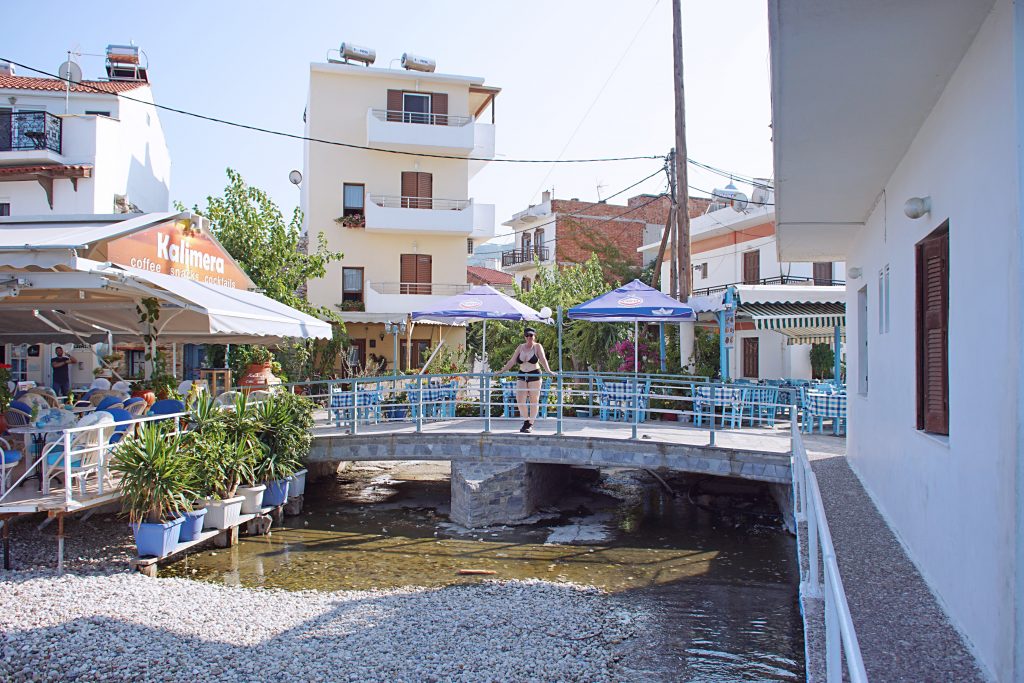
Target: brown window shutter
[(823, 273), (424, 190), (394, 105), (751, 349), (439, 107), (410, 184), (424, 273), (751, 267), (933, 334), (408, 274)]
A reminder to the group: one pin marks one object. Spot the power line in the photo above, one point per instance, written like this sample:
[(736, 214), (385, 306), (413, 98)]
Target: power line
[(336, 143), (611, 74)]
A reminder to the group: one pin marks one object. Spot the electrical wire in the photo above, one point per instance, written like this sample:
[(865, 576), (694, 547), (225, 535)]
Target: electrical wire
[(336, 143)]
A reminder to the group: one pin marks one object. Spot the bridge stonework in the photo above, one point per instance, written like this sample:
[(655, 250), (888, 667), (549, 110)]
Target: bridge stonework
[(550, 449), (502, 492)]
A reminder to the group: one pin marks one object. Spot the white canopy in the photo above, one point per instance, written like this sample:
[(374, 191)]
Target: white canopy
[(95, 298)]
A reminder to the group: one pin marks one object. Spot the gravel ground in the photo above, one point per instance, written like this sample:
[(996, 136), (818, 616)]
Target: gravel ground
[(96, 627)]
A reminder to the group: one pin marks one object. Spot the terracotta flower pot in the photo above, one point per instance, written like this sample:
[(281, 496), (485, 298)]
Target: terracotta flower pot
[(258, 375), (146, 394)]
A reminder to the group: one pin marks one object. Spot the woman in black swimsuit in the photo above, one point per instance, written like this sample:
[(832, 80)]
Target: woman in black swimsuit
[(530, 356)]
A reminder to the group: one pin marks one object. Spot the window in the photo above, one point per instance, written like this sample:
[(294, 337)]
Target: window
[(862, 341), (352, 284), (417, 190), (5, 208), (415, 107), (469, 245), (354, 199), (524, 284), (881, 300), (136, 360), (704, 271), (823, 274), (416, 274), (751, 267), (887, 298), (751, 351), (538, 241), (932, 262), (89, 112)]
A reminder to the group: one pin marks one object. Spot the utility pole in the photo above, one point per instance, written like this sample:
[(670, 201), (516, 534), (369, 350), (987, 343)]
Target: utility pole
[(673, 271), (681, 194)]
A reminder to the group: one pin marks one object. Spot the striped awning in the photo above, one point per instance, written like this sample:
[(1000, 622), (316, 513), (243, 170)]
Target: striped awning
[(804, 323)]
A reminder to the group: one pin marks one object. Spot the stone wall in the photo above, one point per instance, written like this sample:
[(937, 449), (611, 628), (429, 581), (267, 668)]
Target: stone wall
[(502, 492)]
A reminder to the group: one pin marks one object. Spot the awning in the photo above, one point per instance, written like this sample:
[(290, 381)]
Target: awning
[(804, 323)]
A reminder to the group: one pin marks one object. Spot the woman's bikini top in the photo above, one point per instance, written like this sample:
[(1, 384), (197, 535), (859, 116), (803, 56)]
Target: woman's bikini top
[(532, 361)]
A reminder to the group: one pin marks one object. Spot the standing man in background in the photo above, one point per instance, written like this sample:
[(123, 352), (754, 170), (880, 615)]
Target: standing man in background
[(61, 374)]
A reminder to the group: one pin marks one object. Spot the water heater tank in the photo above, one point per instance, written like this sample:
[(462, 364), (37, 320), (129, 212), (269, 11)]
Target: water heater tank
[(416, 63), (357, 53)]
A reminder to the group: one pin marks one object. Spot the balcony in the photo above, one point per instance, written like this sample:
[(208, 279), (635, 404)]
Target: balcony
[(30, 137), (519, 257), (429, 216), (434, 133), (778, 280), (403, 297)]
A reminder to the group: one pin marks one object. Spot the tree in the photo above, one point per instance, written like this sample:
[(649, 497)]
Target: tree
[(585, 343), (253, 230), (822, 361), (273, 253)]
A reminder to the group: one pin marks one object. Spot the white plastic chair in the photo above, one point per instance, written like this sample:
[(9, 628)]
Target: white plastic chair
[(100, 383), (122, 387), (86, 449), (9, 459), (227, 398)]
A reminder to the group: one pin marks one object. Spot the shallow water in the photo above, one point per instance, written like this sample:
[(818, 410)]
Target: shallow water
[(712, 567)]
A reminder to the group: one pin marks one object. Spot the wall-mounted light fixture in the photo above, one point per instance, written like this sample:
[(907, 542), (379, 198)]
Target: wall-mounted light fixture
[(855, 273), (915, 207)]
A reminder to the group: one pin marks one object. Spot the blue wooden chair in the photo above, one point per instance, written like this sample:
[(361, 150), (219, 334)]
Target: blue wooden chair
[(759, 405), (119, 415), (167, 406), (612, 397)]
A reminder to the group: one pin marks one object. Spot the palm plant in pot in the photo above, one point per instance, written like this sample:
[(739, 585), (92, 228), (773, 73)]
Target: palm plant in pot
[(242, 425), (157, 487), (286, 437), (220, 463)]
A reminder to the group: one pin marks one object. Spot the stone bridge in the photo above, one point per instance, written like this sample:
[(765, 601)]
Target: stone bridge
[(500, 478)]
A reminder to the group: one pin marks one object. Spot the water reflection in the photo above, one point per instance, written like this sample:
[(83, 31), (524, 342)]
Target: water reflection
[(717, 579)]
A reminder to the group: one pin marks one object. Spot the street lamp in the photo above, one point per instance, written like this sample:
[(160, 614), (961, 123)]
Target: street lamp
[(395, 329)]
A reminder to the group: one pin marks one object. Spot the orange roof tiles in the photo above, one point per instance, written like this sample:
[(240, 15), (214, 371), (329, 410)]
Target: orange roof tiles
[(54, 84)]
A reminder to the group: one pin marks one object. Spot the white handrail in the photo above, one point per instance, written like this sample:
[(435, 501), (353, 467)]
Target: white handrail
[(840, 634)]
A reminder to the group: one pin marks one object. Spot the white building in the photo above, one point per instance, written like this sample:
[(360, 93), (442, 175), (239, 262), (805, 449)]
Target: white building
[(405, 223), (734, 245), (898, 131), (95, 147)]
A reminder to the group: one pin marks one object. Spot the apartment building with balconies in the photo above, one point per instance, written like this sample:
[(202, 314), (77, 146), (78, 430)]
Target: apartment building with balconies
[(85, 147), (401, 213)]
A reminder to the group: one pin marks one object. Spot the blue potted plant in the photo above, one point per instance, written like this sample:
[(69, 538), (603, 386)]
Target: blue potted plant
[(156, 485)]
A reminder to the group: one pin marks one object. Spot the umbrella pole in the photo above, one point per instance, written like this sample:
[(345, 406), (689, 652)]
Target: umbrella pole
[(636, 375), (485, 386), (561, 402)]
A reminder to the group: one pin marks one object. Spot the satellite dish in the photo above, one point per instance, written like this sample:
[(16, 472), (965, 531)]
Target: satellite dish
[(295, 177), (70, 71), (739, 201)]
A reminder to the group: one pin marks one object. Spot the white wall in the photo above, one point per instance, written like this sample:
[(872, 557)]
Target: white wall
[(127, 150), (951, 501)]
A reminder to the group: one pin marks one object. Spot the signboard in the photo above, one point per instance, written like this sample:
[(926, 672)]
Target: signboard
[(729, 338), (176, 248)]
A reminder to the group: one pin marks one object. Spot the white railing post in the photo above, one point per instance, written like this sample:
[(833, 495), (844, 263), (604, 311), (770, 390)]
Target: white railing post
[(419, 403), (67, 469), (833, 645), (355, 406)]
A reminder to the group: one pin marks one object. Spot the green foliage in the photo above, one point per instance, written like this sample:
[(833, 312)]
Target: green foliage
[(585, 344), (157, 482), (5, 391), (450, 360), (223, 445), (706, 353), (269, 249), (285, 423), (823, 360)]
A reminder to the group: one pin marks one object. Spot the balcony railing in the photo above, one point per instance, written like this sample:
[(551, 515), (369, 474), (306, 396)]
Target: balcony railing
[(388, 201), (432, 288), (778, 280), (517, 256), (30, 130), (401, 116)]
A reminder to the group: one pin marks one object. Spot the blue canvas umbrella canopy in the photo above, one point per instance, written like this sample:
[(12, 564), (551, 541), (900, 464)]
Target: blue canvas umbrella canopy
[(633, 303), (480, 302)]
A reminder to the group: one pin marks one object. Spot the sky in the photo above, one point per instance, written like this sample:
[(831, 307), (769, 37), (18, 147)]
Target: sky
[(579, 79)]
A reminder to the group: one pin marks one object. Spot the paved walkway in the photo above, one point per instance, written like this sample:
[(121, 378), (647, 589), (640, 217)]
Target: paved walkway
[(904, 634)]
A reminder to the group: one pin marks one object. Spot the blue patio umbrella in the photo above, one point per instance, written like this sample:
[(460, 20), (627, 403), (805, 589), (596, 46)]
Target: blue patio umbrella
[(634, 302), (481, 302)]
